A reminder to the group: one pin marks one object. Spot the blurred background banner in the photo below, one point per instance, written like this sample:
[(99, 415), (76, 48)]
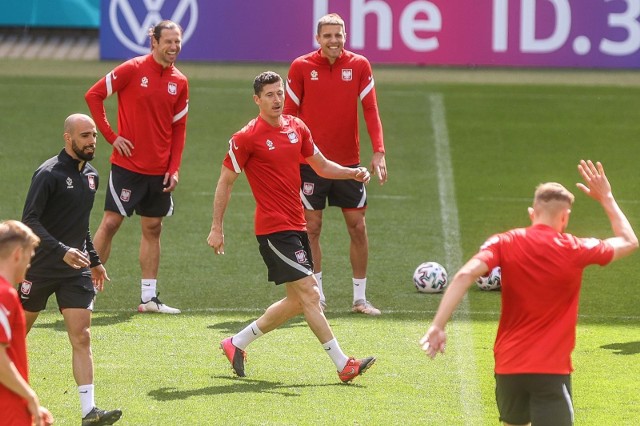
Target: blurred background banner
[(527, 33), (50, 13)]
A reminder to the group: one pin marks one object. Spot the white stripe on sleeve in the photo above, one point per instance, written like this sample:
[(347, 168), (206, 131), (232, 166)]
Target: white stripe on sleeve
[(367, 89)]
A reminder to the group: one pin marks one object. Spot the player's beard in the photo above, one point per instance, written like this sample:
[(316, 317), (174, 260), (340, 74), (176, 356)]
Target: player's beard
[(85, 156)]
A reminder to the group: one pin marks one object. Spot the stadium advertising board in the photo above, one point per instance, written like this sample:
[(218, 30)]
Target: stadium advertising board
[(532, 33)]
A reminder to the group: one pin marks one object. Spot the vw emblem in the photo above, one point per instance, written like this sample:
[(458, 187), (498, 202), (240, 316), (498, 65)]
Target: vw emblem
[(132, 32)]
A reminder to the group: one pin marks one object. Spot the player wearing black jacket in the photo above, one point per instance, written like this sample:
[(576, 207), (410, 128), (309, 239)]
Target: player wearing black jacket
[(58, 208)]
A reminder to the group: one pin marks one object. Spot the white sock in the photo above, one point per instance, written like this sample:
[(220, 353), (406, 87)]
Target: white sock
[(335, 353), (87, 401), (147, 289), (359, 289), (318, 276), (246, 336)]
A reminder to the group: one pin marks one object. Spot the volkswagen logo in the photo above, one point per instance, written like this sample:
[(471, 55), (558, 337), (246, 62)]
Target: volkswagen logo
[(131, 20)]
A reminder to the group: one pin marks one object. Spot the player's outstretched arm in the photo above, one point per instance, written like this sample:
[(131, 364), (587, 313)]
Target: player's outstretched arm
[(597, 186), (433, 342)]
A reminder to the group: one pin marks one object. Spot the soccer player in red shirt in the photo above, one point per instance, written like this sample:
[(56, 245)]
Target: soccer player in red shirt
[(19, 404), (268, 149), (153, 101), (323, 89), (541, 277)]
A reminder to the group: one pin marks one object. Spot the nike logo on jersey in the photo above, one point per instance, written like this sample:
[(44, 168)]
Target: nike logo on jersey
[(114, 76)]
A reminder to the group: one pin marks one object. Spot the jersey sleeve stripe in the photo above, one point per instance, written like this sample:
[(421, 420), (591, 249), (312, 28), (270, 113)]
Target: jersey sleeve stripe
[(4, 322), (366, 90), (181, 114), (234, 160), (292, 95), (109, 86)]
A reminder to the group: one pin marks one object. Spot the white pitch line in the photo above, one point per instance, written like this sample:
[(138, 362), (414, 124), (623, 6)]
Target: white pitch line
[(460, 327)]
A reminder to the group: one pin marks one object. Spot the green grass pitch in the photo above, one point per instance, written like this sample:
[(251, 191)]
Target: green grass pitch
[(464, 158)]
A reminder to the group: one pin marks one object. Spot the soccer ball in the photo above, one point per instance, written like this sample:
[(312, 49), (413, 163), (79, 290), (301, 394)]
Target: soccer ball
[(491, 281), (430, 277)]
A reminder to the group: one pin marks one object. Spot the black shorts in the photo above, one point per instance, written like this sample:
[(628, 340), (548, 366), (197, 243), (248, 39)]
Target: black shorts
[(315, 190), (130, 191), (542, 399), (71, 292), (287, 255)]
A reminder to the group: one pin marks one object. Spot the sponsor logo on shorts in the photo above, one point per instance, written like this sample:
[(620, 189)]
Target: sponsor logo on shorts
[(172, 88), (125, 195), (307, 188), (25, 287), (347, 75), (301, 256), (293, 137), (92, 182)]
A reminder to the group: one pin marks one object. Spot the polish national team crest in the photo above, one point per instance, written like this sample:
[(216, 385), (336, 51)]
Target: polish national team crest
[(25, 287), (293, 137), (307, 188), (314, 75), (301, 256), (125, 195), (270, 144), (172, 88), (347, 75), (92, 182)]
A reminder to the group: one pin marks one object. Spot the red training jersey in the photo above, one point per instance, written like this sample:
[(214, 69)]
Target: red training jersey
[(270, 157), (13, 334), (152, 113), (326, 97), (541, 279)]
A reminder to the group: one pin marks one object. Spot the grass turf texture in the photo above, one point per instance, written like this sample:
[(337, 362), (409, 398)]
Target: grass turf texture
[(503, 139)]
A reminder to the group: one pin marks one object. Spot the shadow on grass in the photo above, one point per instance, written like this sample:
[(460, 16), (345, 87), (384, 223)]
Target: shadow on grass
[(629, 348), (238, 385), (96, 321), (235, 326)]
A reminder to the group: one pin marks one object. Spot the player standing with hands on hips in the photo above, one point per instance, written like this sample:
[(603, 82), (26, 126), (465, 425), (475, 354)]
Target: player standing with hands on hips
[(268, 149), (153, 101), (541, 278), (323, 89), (57, 209), (19, 403)]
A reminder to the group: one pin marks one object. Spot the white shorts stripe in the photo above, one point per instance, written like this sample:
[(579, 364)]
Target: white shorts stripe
[(116, 198), (567, 397), (307, 205), (288, 261), (364, 197)]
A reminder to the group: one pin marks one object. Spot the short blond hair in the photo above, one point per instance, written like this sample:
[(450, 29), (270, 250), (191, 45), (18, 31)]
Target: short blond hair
[(14, 233), (330, 19), (552, 191)]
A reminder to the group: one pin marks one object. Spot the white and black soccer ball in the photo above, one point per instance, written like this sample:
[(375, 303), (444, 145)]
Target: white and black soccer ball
[(430, 277), (491, 281)]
